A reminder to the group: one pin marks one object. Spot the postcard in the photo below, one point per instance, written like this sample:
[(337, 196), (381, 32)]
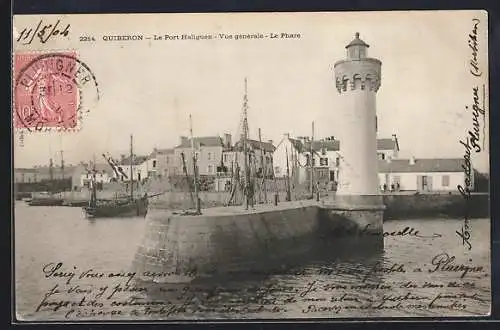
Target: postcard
[(230, 166)]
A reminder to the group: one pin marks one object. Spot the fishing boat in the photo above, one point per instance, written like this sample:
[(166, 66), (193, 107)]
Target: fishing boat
[(45, 199), (130, 206)]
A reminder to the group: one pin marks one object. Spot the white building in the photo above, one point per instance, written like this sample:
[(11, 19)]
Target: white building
[(82, 174), (326, 157), (208, 152), (166, 165), (423, 175), (141, 166)]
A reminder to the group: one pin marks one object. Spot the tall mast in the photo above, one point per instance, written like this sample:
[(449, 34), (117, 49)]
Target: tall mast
[(311, 161), (51, 169), (263, 166), (245, 154), (93, 197), (131, 168), (51, 174), (288, 191), (62, 165), (196, 198), (62, 159)]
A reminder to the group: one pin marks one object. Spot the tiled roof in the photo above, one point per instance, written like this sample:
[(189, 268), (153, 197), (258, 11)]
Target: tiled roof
[(165, 151), (255, 145), (208, 141), (297, 144), (386, 144), (422, 165), (101, 168), (329, 145), (137, 160), (334, 145)]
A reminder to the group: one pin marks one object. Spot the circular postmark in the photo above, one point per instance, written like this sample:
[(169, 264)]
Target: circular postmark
[(52, 91)]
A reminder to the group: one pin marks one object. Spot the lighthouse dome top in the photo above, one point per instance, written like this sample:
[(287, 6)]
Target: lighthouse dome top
[(357, 49), (357, 42)]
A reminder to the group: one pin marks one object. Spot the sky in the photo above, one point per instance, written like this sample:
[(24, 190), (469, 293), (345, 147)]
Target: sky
[(149, 88)]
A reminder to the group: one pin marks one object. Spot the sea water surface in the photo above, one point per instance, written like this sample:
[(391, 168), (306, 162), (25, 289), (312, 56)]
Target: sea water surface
[(46, 236)]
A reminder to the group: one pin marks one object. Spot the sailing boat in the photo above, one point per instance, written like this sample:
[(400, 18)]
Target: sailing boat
[(125, 207)]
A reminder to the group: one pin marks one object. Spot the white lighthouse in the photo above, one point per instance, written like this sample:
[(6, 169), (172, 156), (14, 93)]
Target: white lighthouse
[(357, 80)]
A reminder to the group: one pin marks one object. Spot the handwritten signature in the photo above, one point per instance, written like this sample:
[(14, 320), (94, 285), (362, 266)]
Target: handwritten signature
[(43, 31), (474, 46), (470, 144)]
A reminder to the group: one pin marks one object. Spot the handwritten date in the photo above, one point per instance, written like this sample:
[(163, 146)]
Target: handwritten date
[(44, 32)]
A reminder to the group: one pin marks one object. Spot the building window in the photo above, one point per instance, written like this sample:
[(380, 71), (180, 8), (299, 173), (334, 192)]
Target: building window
[(323, 161), (225, 157), (445, 181), (381, 156), (210, 168), (209, 156), (154, 163), (277, 170), (337, 161)]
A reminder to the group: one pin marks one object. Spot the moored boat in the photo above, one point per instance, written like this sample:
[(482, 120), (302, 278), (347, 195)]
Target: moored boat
[(45, 199), (130, 206), (120, 208)]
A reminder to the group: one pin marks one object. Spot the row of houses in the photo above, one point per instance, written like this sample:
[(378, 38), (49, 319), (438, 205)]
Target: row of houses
[(218, 156), (293, 155)]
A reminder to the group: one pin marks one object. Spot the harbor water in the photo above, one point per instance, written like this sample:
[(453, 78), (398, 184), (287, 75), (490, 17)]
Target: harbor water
[(414, 275)]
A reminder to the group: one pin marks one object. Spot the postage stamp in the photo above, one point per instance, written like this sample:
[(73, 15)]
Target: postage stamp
[(50, 90)]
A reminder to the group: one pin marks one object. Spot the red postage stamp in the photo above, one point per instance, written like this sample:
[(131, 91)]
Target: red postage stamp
[(48, 90)]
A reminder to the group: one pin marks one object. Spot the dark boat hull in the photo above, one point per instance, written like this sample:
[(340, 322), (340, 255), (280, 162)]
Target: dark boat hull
[(137, 208), (76, 203), (46, 202)]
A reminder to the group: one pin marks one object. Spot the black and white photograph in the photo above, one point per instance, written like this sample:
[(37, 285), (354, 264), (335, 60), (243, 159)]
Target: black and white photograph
[(241, 166)]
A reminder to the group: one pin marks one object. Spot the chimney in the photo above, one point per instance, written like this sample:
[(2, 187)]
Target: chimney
[(412, 160), (270, 141), (287, 135), (184, 140), (227, 140), (394, 138)]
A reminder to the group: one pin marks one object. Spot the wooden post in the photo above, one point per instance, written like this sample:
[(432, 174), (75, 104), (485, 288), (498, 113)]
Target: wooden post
[(264, 168), (311, 159), (197, 199), (131, 168)]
